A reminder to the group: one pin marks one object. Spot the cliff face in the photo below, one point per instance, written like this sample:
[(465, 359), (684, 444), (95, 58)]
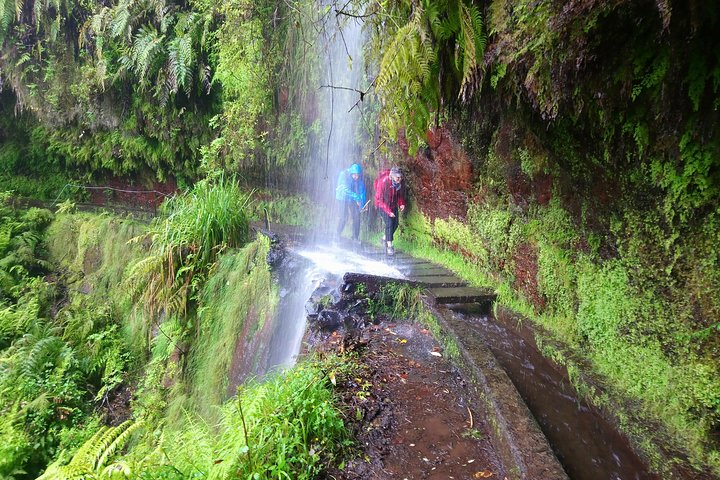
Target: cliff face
[(584, 175)]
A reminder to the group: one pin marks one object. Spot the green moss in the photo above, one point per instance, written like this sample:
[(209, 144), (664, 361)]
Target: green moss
[(237, 302), (599, 309), (96, 253), (282, 209)]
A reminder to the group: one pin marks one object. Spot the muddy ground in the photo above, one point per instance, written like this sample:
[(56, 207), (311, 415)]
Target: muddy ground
[(411, 411)]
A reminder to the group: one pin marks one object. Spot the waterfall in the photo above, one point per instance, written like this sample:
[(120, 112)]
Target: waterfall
[(340, 110), (339, 44)]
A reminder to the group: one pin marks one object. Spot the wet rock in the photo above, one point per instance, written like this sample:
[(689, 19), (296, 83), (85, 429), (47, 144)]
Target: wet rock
[(325, 295), (275, 255), (353, 322), (359, 307), (328, 320), (312, 309)]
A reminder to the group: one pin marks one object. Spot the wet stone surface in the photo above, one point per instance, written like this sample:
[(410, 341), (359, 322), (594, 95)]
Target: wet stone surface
[(411, 411)]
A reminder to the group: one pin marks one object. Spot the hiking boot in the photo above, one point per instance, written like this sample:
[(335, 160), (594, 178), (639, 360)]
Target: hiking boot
[(390, 251)]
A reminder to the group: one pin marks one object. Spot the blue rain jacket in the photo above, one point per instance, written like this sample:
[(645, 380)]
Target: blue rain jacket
[(348, 189)]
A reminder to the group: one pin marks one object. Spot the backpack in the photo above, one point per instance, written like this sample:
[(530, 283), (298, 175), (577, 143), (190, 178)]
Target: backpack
[(382, 175)]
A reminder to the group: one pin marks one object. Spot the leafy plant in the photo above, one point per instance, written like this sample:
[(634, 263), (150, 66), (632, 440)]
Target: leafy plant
[(414, 78), (92, 458), (186, 241), (286, 426)]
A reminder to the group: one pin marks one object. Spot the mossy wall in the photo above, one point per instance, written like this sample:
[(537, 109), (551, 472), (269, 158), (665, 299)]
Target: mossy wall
[(175, 362), (593, 199)]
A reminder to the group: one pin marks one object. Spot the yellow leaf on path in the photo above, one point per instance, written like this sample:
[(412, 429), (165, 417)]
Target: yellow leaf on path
[(483, 474), (402, 340)]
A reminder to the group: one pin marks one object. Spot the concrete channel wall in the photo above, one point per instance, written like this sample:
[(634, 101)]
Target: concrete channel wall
[(524, 450)]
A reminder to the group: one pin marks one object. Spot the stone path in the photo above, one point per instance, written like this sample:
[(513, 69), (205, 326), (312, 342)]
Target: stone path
[(442, 285)]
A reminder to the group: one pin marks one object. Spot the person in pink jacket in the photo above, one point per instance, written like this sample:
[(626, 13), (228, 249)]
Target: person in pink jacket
[(390, 201)]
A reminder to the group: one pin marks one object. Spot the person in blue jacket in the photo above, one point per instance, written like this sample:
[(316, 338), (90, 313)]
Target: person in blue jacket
[(350, 192)]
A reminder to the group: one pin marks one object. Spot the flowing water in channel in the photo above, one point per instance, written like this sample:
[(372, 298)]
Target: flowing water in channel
[(588, 447)]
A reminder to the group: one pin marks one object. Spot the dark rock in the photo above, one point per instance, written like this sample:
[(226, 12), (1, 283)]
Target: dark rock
[(328, 320), (359, 307), (353, 322), (312, 309), (275, 255)]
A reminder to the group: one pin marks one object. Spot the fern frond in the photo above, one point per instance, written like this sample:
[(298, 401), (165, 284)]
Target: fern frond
[(471, 41), (144, 51), (90, 459), (119, 22), (37, 14), (45, 353), (121, 435), (180, 63), (7, 15)]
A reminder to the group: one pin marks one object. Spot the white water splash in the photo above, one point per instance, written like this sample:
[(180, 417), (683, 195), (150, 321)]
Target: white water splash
[(338, 261)]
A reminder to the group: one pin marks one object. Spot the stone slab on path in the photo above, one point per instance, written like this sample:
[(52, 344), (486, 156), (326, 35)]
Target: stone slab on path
[(434, 282), (446, 295), (439, 281)]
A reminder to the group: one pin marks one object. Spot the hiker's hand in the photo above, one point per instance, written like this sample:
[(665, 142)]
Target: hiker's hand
[(391, 215), (402, 208), (359, 205)]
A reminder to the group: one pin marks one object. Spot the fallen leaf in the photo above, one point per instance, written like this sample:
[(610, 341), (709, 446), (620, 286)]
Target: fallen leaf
[(402, 340), (332, 379), (483, 474), (436, 354)]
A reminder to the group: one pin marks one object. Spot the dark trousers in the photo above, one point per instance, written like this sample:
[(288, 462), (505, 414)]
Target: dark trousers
[(354, 210), (391, 224)]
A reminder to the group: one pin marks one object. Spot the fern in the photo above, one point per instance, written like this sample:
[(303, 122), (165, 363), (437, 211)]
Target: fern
[(471, 45), (408, 82), (154, 52), (91, 458), (38, 12), (7, 15), (119, 22), (145, 49), (180, 63), (406, 67)]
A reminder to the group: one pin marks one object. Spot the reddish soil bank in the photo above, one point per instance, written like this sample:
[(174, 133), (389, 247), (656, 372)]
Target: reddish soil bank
[(127, 193), (441, 177), (411, 410)]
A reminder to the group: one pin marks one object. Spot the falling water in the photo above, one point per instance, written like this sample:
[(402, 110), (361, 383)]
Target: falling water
[(340, 111), (313, 266)]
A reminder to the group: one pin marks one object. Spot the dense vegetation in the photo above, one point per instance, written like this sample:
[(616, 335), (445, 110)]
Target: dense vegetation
[(593, 204), (581, 139), (108, 320)]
